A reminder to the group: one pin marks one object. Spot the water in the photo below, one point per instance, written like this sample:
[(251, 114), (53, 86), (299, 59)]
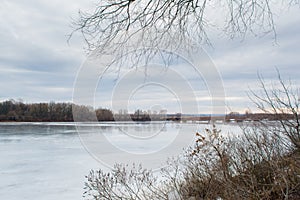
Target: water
[(49, 161)]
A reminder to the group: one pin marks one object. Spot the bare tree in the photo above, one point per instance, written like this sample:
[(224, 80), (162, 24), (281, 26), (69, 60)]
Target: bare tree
[(281, 99), (171, 23)]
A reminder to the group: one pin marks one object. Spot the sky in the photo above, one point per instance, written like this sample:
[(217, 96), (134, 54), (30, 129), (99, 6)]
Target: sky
[(37, 64)]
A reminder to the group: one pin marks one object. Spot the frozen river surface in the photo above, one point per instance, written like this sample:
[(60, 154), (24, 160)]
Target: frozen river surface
[(49, 161)]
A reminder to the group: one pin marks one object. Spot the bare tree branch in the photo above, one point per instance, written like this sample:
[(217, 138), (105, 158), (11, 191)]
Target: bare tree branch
[(170, 22), (282, 101)]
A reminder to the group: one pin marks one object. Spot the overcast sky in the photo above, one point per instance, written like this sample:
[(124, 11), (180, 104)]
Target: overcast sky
[(38, 65)]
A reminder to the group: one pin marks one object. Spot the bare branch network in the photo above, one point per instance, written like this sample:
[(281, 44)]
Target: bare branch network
[(172, 22)]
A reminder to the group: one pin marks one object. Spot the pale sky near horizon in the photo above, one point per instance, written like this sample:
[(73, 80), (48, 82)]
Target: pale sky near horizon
[(38, 65)]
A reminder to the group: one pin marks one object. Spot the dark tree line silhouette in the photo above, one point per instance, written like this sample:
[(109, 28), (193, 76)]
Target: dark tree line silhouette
[(12, 110)]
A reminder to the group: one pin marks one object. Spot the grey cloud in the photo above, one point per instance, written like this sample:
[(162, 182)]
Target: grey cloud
[(37, 64)]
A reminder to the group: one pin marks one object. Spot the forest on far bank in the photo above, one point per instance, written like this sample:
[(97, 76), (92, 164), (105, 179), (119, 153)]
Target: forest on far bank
[(12, 110), (17, 111)]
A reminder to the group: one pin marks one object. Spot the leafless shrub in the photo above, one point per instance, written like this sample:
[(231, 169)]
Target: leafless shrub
[(124, 182), (252, 166), (282, 100), (263, 162)]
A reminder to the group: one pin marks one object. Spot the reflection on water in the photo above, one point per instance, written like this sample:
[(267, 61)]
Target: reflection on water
[(40, 129)]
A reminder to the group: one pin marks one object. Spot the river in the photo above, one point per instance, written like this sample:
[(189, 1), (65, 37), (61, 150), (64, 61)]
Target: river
[(49, 161)]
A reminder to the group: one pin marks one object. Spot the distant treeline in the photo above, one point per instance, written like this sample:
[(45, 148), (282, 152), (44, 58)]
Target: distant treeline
[(18, 111), (49, 112)]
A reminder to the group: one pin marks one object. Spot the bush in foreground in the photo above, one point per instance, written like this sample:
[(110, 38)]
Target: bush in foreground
[(261, 163), (252, 166)]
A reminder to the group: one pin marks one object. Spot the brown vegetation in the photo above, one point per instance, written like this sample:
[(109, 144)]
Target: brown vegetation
[(253, 166), (263, 162)]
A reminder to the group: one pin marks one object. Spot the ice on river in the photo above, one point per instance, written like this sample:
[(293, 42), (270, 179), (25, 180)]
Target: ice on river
[(49, 161)]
